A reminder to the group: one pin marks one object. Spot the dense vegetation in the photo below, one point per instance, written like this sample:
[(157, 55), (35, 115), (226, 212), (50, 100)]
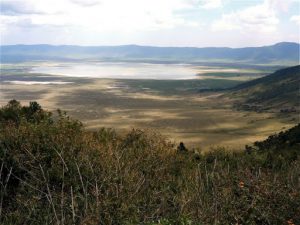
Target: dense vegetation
[(55, 172), (279, 89)]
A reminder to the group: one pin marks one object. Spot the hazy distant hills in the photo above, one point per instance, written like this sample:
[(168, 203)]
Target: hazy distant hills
[(279, 89), (283, 53)]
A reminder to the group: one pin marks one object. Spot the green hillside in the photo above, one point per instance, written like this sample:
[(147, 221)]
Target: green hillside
[(53, 171), (278, 90)]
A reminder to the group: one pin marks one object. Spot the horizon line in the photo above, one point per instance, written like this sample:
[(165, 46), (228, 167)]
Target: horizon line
[(153, 46)]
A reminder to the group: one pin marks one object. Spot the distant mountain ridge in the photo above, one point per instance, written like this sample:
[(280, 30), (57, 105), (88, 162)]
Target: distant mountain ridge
[(284, 52)]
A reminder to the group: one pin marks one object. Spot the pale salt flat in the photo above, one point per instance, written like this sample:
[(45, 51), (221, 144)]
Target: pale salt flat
[(123, 70), (36, 82)]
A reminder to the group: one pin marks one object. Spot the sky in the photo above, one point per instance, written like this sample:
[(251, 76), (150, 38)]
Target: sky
[(198, 23)]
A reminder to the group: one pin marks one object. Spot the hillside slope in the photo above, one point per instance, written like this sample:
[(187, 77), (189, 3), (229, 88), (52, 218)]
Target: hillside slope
[(284, 52), (279, 89)]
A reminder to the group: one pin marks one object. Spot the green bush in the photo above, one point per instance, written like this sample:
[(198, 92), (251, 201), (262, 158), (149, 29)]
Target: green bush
[(55, 172)]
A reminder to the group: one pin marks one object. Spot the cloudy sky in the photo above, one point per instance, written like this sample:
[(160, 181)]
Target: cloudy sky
[(233, 23)]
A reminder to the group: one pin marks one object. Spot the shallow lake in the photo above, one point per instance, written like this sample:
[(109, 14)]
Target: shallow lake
[(120, 70)]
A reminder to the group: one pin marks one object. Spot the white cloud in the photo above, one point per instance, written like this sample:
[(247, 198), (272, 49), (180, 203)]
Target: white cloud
[(258, 18), (29, 7), (295, 19), (101, 15), (211, 4), (151, 22), (204, 4), (281, 5), (86, 3)]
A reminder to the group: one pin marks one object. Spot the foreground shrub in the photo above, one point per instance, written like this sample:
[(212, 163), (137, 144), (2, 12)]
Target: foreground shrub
[(55, 172)]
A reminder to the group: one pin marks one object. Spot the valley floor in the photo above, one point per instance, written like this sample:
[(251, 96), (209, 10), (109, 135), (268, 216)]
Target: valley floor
[(202, 120)]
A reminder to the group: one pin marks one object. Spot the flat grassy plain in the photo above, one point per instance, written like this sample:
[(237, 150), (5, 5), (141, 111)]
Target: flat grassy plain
[(179, 109)]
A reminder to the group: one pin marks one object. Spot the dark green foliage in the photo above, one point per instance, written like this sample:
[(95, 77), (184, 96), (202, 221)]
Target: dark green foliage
[(280, 149), (181, 147), (54, 172), (282, 141), (14, 113)]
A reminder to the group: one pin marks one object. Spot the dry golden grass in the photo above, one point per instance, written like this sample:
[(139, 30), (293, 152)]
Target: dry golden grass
[(204, 120)]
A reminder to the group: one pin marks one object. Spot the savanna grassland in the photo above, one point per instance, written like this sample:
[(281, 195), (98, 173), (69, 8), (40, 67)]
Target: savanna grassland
[(182, 110)]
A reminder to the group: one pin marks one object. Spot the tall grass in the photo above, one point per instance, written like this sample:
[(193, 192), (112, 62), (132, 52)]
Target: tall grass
[(53, 171)]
